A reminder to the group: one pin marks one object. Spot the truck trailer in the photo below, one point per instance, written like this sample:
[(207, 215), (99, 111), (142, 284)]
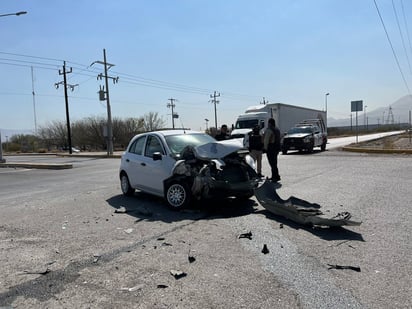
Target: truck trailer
[(285, 115)]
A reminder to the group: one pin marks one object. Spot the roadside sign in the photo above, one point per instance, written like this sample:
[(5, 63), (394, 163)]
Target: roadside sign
[(356, 106)]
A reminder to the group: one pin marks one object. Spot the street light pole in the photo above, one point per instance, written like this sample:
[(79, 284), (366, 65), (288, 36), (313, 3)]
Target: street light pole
[(326, 109)]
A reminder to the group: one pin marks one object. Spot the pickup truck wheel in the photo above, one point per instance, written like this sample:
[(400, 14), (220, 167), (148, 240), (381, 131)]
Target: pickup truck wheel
[(125, 185), (323, 146), (178, 195), (310, 148)]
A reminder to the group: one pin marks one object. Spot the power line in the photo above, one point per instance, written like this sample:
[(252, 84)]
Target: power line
[(393, 50), (406, 26), (400, 33), (86, 70)]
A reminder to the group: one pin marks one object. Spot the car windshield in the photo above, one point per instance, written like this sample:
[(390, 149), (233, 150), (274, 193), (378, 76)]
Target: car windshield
[(177, 143), (300, 130)]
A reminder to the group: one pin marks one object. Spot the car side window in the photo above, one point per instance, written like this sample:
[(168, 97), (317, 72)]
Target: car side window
[(137, 146), (153, 145)]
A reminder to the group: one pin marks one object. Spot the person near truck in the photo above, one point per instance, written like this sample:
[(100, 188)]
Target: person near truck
[(271, 145), (223, 134), (256, 148)]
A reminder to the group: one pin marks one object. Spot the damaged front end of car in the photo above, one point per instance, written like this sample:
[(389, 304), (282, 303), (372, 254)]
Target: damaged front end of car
[(215, 170)]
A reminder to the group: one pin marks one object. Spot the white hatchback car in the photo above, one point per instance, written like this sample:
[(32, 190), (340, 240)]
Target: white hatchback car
[(180, 165)]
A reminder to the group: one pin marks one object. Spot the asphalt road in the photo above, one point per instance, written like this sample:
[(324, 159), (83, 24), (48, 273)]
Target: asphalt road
[(63, 246)]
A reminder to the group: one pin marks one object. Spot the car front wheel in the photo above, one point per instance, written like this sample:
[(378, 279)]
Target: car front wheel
[(178, 195), (125, 185)]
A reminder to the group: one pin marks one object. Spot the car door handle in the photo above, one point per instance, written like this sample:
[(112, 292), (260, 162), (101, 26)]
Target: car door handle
[(143, 164)]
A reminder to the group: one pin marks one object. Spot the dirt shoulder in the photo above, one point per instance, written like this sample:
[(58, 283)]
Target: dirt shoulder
[(401, 143)]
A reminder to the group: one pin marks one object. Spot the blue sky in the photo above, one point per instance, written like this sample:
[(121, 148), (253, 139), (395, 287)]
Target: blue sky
[(285, 51)]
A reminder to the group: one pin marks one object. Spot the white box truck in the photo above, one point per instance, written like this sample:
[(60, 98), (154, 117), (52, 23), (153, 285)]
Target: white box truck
[(285, 115)]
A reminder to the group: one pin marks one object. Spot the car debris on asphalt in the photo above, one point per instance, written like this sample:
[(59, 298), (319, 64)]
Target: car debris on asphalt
[(265, 249), (355, 268), (178, 274), (120, 210), (247, 235), (298, 210)]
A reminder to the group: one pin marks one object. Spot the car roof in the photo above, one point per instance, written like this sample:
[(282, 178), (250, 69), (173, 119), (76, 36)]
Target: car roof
[(173, 132)]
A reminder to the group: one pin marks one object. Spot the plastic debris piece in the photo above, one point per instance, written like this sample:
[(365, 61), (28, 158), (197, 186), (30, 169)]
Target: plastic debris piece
[(247, 235), (132, 289), (37, 272), (120, 210), (162, 286), (191, 258), (96, 258), (265, 249), (355, 268), (128, 231), (178, 274)]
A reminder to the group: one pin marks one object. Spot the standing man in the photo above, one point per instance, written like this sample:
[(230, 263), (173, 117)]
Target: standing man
[(271, 144), (256, 148), (223, 135)]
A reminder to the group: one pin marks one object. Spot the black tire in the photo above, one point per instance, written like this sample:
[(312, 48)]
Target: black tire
[(323, 147), (284, 151), (125, 185), (178, 195), (310, 148)]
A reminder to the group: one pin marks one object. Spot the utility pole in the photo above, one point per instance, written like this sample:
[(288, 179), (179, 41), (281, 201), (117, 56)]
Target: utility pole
[(34, 101), (64, 83), (172, 105), (214, 101), (1, 152), (107, 66)]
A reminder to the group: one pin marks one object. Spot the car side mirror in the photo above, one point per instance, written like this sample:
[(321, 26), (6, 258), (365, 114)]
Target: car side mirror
[(157, 156)]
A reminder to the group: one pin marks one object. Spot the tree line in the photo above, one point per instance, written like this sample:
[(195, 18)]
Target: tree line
[(86, 134)]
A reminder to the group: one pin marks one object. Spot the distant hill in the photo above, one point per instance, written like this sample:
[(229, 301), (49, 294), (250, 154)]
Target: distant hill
[(400, 112)]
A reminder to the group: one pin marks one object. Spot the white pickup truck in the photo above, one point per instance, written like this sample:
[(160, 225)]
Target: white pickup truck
[(305, 136)]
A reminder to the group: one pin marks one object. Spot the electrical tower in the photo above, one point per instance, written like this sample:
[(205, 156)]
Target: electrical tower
[(104, 95), (390, 119), (214, 101), (66, 98)]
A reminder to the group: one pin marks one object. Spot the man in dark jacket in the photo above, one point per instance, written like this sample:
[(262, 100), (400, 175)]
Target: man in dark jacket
[(223, 135), (271, 144)]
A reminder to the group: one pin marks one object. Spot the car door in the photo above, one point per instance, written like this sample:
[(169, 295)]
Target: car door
[(318, 136), (153, 172), (133, 161)]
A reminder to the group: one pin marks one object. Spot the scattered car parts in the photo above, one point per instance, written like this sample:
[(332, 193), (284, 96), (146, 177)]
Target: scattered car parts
[(298, 210)]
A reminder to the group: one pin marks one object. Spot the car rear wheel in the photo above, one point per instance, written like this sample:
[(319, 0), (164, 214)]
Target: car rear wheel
[(284, 151), (125, 185), (178, 195)]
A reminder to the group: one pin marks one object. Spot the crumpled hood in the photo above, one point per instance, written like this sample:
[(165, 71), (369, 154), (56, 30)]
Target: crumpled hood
[(218, 150)]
